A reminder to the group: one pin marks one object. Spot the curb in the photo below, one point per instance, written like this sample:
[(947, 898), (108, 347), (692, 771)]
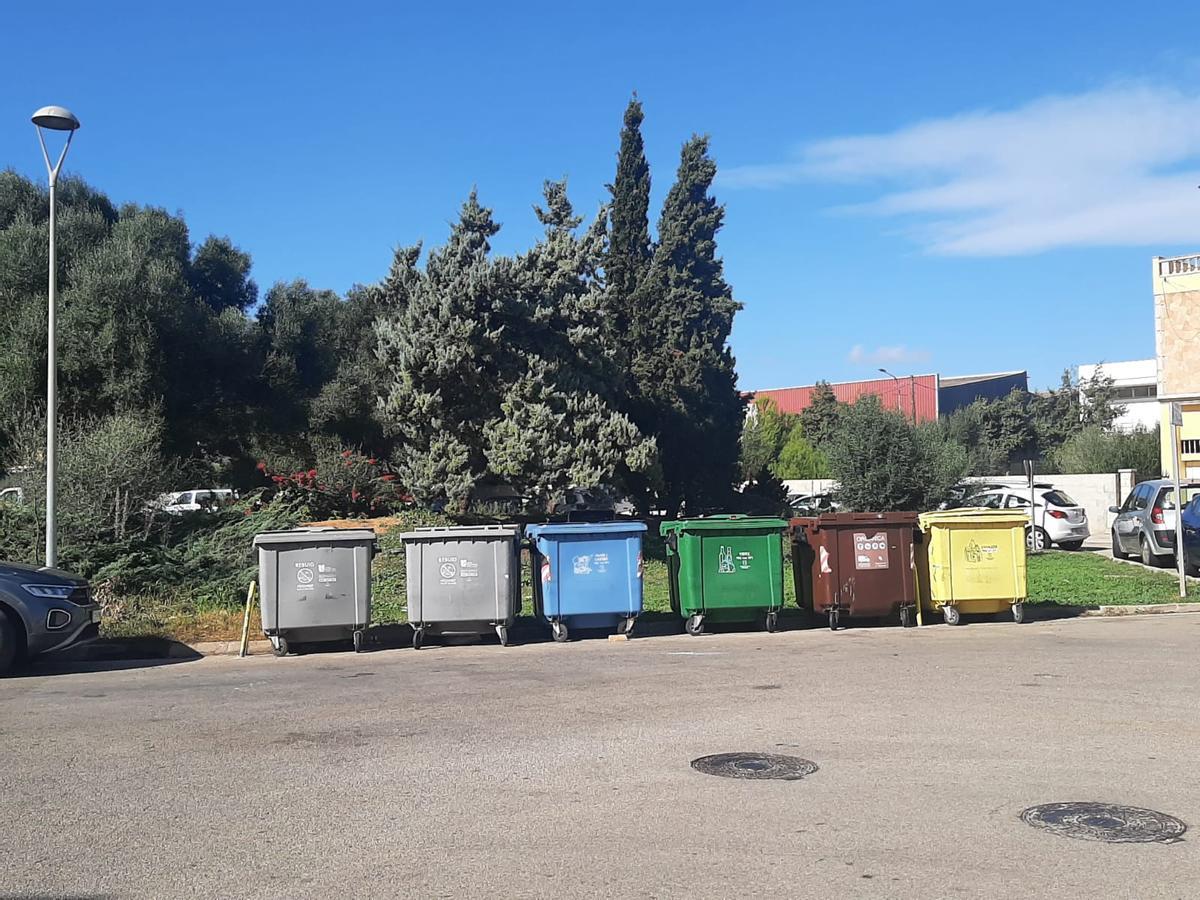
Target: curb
[(1147, 609)]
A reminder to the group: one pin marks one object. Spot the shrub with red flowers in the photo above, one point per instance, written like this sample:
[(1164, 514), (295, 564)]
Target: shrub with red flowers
[(344, 482)]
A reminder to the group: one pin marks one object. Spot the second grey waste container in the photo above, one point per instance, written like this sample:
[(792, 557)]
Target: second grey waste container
[(463, 580), (314, 584)]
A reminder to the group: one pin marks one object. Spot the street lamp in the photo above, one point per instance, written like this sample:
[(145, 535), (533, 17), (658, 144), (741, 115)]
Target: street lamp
[(912, 388), (53, 118)]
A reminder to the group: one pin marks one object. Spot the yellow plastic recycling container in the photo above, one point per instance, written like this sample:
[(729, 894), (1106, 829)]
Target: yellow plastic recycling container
[(972, 561)]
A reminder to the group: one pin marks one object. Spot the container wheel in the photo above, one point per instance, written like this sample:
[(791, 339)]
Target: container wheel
[(418, 638), (280, 647), (359, 641), (1018, 610), (626, 626), (835, 618), (907, 619), (558, 631), (502, 633), (694, 625), (950, 614), (772, 622)]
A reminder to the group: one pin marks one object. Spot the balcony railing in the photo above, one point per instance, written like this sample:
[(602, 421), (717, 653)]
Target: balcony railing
[(1179, 265), (1190, 446)]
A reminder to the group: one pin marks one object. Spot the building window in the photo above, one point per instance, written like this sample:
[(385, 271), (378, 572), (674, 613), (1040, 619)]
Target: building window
[(1137, 392)]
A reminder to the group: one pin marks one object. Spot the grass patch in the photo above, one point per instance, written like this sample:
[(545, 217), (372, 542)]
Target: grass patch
[(1086, 579)]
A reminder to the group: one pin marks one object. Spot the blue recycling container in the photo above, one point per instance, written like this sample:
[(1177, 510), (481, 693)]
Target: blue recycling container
[(587, 574)]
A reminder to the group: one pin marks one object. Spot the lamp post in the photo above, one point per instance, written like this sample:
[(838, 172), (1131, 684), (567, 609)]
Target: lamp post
[(912, 390), (53, 118)]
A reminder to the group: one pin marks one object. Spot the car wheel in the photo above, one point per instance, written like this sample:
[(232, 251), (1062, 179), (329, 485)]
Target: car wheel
[(1037, 539), (10, 644), (1149, 557), (1118, 550)]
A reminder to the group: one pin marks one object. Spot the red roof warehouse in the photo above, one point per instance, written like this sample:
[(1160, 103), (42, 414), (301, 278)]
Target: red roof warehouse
[(929, 394)]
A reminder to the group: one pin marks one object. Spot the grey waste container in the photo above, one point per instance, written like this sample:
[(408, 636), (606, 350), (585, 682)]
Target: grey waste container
[(314, 584), (463, 580)]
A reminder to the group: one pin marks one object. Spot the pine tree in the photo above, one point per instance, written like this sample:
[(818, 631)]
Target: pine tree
[(686, 394), (443, 352), (557, 426), (820, 418), (629, 250)]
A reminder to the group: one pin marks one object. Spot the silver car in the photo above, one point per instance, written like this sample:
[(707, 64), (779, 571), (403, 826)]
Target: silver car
[(1145, 523), (1060, 520), (42, 611)]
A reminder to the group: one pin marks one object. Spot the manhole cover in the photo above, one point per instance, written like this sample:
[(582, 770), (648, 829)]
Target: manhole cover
[(755, 765), (1105, 822)]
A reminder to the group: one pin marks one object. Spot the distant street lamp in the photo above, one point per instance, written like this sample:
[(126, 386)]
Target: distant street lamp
[(912, 388), (53, 118)]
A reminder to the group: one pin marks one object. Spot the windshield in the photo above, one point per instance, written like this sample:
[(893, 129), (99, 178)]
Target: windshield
[(1058, 498)]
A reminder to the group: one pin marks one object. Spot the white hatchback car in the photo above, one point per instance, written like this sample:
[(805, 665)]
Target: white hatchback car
[(179, 502), (1060, 520)]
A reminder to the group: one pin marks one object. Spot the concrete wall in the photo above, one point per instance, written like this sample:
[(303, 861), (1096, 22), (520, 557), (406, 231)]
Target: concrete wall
[(809, 485)]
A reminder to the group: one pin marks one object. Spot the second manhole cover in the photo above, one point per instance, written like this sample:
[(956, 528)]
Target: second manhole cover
[(1105, 822), (755, 766)]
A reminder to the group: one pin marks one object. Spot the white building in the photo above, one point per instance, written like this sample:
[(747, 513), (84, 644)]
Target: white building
[(1137, 390)]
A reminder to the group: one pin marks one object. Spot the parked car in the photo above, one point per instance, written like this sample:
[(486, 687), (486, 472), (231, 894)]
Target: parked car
[(1058, 519), (195, 500), (42, 611), (1191, 535), (1145, 523), (964, 494), (813, 504)]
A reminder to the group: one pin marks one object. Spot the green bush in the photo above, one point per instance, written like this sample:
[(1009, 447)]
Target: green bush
[(1095, 450), (883, 462)]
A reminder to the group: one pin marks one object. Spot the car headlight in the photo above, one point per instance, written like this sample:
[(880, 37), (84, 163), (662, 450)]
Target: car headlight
[(49, 591)]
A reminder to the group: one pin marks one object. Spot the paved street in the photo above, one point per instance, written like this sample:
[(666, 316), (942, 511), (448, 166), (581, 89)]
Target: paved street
[(561, 771)]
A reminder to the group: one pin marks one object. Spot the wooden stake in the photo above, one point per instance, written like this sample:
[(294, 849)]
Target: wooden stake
[(250, 595)]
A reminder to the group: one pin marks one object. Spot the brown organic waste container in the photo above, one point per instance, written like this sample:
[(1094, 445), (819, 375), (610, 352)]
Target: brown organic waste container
[(856, 565)]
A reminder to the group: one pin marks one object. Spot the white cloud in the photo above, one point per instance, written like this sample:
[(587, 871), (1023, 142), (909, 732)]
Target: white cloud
[(882, 356), (1117, 166)]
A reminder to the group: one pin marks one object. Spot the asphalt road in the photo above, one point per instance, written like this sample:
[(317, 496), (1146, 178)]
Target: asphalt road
[(563, 771)]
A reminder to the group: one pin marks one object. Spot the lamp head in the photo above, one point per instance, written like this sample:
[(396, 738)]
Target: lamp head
[(56, 118)]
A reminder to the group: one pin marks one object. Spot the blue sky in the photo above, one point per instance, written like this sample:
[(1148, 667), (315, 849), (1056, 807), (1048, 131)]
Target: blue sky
[(959, 192)]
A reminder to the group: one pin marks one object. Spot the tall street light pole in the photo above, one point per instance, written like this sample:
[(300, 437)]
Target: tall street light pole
[(52, 118), (912, 393)]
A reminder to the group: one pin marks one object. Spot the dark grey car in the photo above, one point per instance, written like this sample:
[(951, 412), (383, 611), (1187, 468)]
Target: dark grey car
[(42, 611), (1145, 523)]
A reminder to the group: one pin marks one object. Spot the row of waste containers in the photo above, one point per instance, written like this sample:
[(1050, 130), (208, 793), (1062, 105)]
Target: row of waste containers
[(315, 583)]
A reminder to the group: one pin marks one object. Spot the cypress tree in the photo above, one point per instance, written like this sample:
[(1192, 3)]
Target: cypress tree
[(687, 392), (629, 249)]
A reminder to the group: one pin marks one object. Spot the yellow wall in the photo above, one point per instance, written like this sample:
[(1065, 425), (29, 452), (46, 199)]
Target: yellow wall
[(1177, 345), (1189, 462)]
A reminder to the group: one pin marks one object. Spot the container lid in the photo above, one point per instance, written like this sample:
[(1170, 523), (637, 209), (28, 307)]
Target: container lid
[(975, 516), (852, 519), (463, 533), (584, 528), (324, 534), (724, 523)]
